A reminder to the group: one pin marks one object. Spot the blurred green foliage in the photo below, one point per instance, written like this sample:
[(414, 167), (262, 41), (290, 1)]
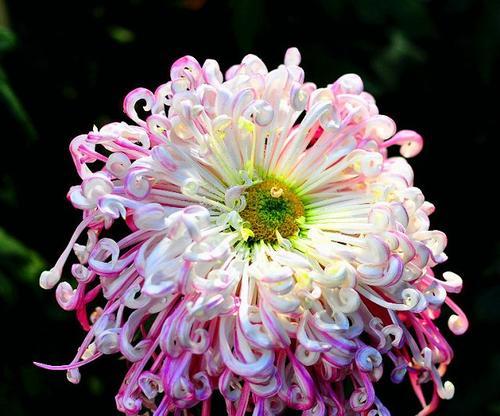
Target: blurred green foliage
[(7, 95), (121, 34), (19, 266)]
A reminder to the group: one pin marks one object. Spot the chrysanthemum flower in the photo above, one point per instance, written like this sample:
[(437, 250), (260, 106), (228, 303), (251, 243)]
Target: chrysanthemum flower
[(273, 253)]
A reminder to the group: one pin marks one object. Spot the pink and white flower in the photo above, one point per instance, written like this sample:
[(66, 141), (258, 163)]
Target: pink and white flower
[(273, 250)]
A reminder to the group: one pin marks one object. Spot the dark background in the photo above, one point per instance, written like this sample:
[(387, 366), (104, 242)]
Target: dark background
[(64, 66)]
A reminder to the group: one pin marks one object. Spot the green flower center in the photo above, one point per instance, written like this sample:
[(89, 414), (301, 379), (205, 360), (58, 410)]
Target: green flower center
[(272, 206)]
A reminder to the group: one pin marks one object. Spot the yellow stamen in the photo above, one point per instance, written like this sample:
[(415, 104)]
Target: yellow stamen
[(276, 192), (273, 211)]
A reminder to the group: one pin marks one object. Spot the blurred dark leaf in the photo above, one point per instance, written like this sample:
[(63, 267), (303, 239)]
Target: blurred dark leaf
[(399, 53), (95, 385), (7, 191), (7, 40), (488, 39), (248, 17), (487, 309), (486, 301), (13, 104), (333, 8), (372, 12), (491, 272), (482, 392), (18, 264), (32, 381), (495, 408), (121, 34), (413, 15)]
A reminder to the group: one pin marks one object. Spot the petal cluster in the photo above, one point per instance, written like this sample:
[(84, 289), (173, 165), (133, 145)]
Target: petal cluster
[(197, 306)]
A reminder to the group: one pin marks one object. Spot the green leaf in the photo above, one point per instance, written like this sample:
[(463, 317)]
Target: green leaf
[(14, 105), (18, 264), (7, 40), (121, 34)]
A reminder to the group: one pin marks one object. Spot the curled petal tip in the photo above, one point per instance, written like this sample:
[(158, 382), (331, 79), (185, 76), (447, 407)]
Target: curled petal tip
[(292, 57), (458, 324), (49, 278)]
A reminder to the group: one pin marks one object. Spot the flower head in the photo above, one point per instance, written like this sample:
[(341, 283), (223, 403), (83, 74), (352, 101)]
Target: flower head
[(274, 252)]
